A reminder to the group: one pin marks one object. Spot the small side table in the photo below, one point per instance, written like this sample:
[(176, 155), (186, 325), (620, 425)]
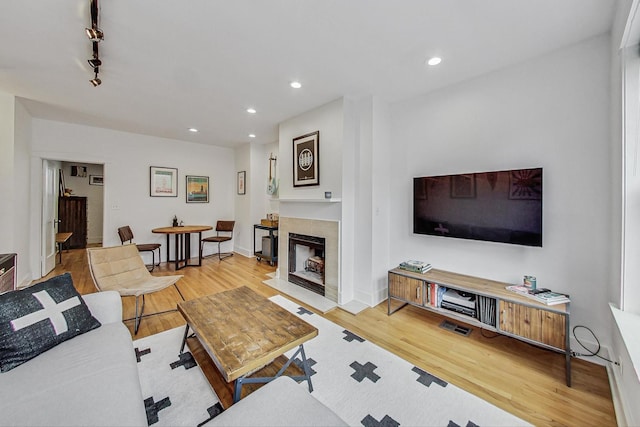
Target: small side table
[(61, 239), (272, 256)]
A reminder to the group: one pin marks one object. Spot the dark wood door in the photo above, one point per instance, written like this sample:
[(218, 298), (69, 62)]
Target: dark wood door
[(72, 213)]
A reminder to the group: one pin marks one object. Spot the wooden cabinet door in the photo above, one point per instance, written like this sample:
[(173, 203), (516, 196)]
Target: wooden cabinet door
[(406, 288), (533, 323), (72, 213)]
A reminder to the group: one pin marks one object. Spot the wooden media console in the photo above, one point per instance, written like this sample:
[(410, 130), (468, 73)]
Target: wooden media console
[(496, 309)]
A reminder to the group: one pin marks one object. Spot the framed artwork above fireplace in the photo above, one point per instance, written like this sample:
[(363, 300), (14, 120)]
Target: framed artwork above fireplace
[(306, 157)]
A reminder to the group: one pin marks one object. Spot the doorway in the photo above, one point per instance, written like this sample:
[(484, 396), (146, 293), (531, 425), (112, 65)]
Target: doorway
[(75, 181)]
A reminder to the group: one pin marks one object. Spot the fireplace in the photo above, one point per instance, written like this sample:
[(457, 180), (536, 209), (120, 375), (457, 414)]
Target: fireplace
[(306, 262), (325, 229)]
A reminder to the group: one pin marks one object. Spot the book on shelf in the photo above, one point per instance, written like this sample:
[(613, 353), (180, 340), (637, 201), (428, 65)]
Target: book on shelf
[(415, 266), (543, 295)]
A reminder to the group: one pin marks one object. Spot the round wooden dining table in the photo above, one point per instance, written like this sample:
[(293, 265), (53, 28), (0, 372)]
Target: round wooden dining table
[(182, 243)]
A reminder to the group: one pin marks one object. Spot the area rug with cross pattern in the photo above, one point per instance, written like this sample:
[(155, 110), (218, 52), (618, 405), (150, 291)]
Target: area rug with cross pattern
[(361, 382)]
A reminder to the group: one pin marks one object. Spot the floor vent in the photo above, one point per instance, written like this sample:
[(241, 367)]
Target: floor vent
[(450, 326)]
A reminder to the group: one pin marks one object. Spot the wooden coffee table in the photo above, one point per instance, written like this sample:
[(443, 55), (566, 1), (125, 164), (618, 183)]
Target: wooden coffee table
[(242, 331)]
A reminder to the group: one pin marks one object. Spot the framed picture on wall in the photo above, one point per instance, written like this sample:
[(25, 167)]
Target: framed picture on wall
[(306, 157), (163, 182), (463, 186), (96, 180), (197, 189), (242, 176)]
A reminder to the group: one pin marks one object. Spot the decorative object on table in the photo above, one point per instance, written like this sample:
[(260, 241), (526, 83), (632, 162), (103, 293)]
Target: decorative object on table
[(306, 159), (272, 185), (415, 266), (38, 318), (174, 223), (197, 189), (163, 182), (543, 295), (529, 282), (242, 176), (327, 194), (271, 220), (96, 180)]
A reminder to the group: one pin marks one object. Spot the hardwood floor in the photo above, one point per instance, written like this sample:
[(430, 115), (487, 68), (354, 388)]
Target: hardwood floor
[(517, 377)]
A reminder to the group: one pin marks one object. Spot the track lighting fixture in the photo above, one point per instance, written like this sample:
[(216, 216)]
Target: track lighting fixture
[(94, 63), (95, 35), (96, 81)]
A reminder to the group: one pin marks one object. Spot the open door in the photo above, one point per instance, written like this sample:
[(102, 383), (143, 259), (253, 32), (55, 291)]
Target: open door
[(50, 182)]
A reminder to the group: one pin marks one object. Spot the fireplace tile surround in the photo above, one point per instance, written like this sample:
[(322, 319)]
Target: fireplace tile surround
[(330, 231)]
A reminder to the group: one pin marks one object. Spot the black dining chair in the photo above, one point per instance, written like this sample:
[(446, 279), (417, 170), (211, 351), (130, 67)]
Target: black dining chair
[(126, 235), (224, 233)]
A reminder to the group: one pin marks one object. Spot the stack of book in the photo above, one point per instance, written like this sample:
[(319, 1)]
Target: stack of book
[(415, 266), (543, 295)]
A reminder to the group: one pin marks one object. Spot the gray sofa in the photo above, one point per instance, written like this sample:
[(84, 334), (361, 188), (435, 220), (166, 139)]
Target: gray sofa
[(89, 380), (282, 402)]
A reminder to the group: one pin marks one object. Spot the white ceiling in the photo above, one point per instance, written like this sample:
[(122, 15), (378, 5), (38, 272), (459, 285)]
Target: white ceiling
[(169, 65)]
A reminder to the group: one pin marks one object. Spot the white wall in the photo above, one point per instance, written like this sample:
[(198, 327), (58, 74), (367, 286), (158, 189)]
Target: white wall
[(22, 199), (14, 183), (254, 205), (328, 120), (243, 202), (551, 112), (127, 158), (7, 169)]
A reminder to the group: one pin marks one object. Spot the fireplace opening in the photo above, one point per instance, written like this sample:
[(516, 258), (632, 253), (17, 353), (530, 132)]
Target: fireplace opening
[(306, 262)]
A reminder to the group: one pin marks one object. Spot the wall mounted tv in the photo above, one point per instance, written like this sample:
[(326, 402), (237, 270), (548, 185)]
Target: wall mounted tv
[(500, 206)]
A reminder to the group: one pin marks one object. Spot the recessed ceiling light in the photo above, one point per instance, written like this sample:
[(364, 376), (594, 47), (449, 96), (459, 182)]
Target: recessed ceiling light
[(252, 135), (295, 85), (434, 61), (194, 130), (251, 110)]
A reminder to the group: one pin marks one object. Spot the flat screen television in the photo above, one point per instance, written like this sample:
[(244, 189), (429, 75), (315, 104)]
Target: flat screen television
[(500, 206)]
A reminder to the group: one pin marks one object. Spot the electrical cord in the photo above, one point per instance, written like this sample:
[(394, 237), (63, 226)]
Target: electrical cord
[(482, 332), (591, 352)]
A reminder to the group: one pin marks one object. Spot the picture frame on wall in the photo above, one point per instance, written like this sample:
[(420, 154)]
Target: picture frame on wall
[(96, 180), (197, 189), (306, 160), (242, 176), (163, 182), (525, 184), (463, 186)]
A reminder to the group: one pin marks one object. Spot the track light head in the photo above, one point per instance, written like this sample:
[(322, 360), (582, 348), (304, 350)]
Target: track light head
[(95, 34), (94, 62), (96, 81)]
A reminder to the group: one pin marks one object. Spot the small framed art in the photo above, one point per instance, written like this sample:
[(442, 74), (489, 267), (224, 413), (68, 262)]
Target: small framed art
[(197, 189), (306, 158), (463, 186), (242, 176), (163, 182), (96, 180)]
